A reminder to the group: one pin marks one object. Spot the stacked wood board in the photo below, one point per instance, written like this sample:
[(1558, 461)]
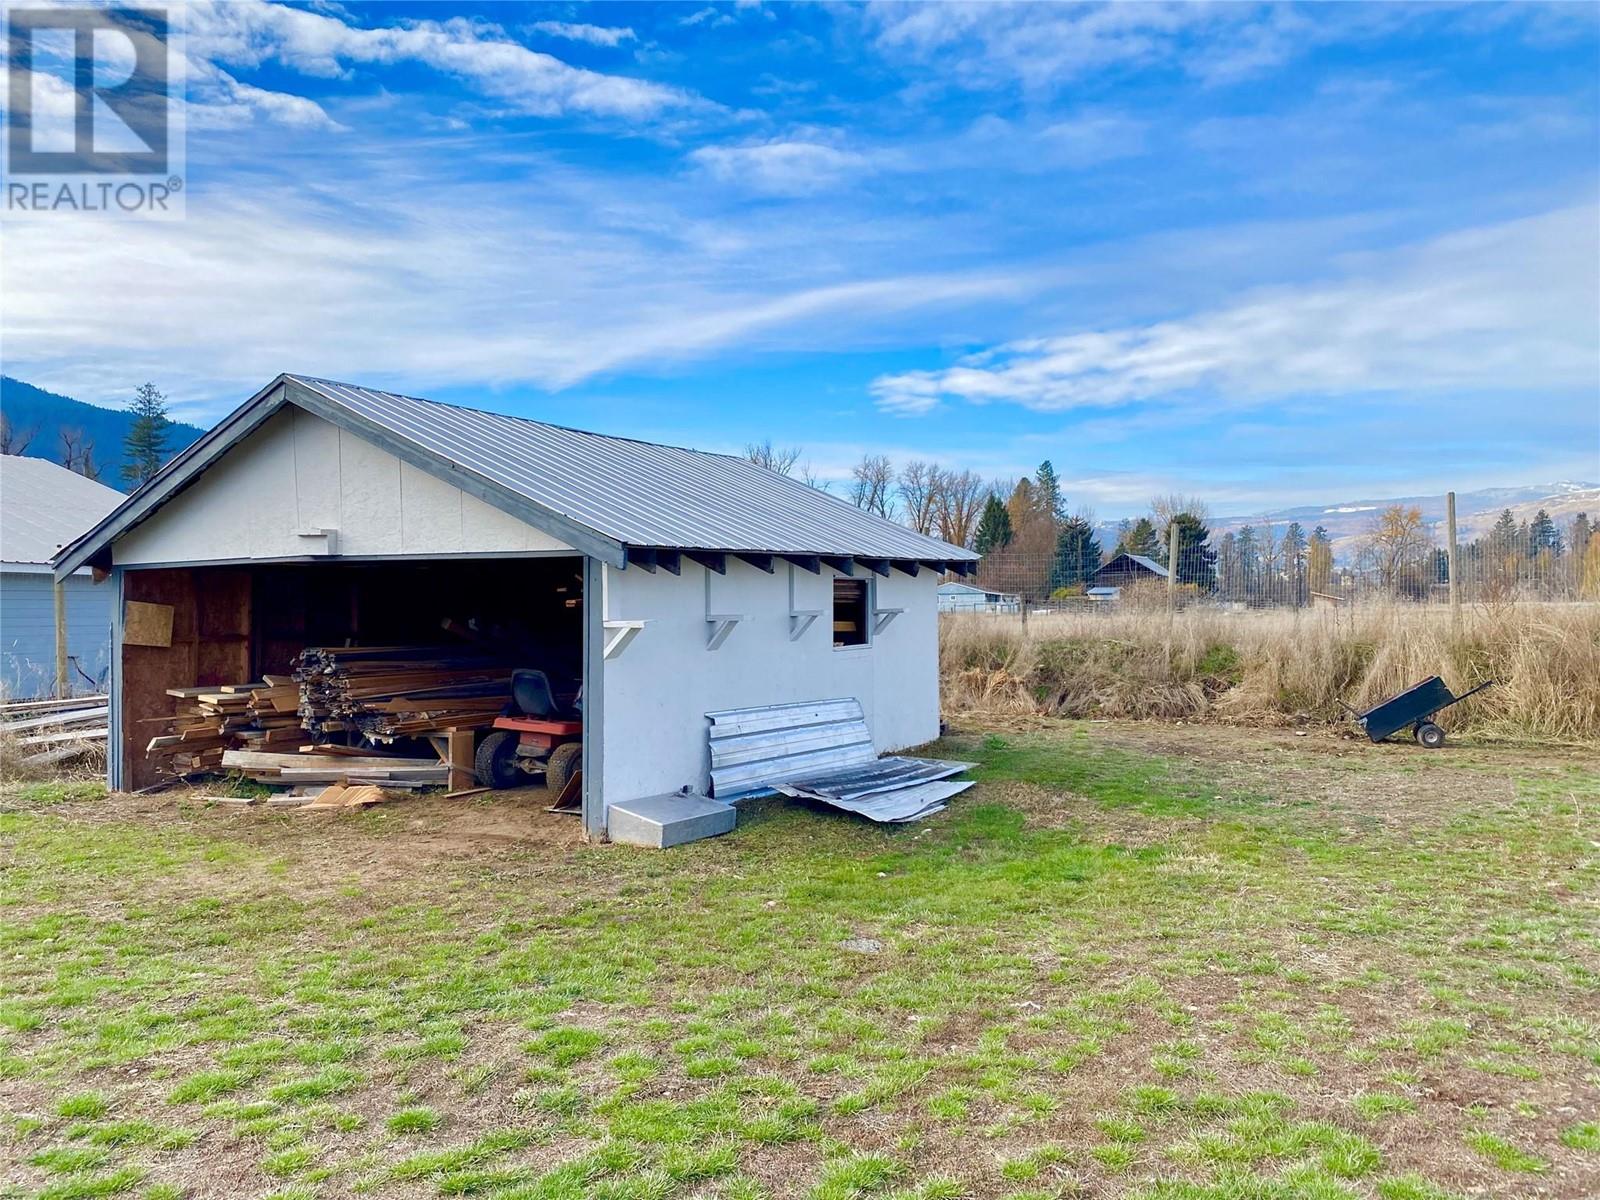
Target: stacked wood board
[(385, 692), (210, 720), (319, 765)]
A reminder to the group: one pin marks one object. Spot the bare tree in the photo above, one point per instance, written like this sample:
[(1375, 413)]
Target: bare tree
[(77, 453), (958, 503), (774, 458), (13, 441), (811, 479), (1164, 508), (1397, 546), (871, 484), (920, 484)]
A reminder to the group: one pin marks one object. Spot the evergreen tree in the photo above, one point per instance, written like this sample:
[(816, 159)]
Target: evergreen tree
[(1047, 493), (146, 443), (1140, 537), (1249, 551), (1077, 555), (1503, 537), (1543, 534), (1196, 559), (994, 527), (1578, 535), (1294, 561)]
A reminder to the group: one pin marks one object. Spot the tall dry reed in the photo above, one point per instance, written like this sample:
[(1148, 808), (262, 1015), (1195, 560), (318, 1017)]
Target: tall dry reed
[(1283, 666)]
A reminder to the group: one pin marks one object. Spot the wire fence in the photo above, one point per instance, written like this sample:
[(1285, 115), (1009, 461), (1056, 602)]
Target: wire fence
[(1262, 567)]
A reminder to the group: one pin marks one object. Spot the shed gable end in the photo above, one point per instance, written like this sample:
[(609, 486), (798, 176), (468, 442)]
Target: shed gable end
[(297, 473)]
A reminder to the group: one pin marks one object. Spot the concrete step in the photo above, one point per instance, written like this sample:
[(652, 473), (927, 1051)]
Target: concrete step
[(670, 820)]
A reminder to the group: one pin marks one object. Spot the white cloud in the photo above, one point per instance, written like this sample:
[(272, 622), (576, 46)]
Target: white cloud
[(1508, 308), (595, 35), (250, 33), (709, 17), (219, 101), (779, 167), (1046, 47), (381, 274)]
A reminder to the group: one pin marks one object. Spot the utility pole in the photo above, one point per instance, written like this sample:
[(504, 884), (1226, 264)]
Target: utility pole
[(1451, 556)]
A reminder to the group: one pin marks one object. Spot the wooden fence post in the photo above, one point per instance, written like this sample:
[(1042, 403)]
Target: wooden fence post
[(63, 684), (1451, 558), (1172, 566)]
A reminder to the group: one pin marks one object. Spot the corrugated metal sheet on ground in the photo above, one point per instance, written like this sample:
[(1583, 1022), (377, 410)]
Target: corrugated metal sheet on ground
[(905, 803), (823, 751), (640, 493), (754, 748)]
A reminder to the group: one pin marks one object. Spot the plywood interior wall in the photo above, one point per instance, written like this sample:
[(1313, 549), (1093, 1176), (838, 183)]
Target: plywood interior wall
[(210, 644)]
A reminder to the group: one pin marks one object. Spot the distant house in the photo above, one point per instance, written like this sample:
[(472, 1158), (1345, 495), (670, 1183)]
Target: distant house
[(963, 597), (43, 506), (1125, 569)]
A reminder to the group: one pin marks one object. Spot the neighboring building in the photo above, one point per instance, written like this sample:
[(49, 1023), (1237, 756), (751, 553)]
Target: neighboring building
[(674, 582), (43, 506), (964, 598), (1128, 568)]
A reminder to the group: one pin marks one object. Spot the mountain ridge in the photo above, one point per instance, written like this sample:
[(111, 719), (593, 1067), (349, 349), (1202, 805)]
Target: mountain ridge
[(41, 415)]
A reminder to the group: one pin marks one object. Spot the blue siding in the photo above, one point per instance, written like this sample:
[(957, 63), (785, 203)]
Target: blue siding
[(28, 634)]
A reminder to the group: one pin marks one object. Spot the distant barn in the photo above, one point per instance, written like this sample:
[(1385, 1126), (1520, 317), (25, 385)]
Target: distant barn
[(1127, 569)]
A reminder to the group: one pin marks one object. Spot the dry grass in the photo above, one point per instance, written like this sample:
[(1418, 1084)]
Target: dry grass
[(1282, 666)]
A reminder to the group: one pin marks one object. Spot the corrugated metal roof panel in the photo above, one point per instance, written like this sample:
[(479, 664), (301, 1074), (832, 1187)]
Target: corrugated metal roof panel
[(43, 506), (639, 493)]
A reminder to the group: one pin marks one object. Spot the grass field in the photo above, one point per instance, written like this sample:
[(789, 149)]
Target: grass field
[(1175, 962)]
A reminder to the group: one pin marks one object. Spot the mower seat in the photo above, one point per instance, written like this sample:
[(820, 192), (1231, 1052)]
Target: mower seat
[(533, 697)]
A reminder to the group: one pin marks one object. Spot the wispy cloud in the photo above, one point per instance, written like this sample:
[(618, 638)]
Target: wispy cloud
[(779, 167), (461, 284), (595, 35), (249, 33), (1502, 308)]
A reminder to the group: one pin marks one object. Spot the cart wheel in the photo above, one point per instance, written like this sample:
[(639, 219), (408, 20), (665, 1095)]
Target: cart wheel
[(495, 763), (1430, 735), (564, 761)]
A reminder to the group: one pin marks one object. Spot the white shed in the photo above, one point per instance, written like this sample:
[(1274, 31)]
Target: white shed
[(666, 582), (42, 507), (957, 597)]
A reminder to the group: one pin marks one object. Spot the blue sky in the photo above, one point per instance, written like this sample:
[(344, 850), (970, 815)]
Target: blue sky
[(1261, 254)]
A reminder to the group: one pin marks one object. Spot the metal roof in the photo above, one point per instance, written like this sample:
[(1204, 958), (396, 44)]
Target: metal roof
[(43, 506), (1148, 564), (601, 494)]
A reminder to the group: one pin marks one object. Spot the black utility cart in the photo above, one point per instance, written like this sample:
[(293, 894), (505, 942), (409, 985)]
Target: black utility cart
[(1414, 707)]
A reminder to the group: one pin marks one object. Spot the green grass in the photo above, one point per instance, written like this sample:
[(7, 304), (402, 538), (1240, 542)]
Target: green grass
[(54, 791), (1104, 970)]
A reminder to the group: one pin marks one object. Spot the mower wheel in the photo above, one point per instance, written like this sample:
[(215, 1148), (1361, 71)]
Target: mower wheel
[(1430, 735), (562, 765), (495, 763)]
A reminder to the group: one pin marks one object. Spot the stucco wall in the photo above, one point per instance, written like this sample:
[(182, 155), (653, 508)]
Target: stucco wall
[(28, 633), (300, 472), (659, 689)]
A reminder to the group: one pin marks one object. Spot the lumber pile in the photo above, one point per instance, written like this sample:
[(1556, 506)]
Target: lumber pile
[(211, 720), (55, 731), (385, 692), (314, 765)]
